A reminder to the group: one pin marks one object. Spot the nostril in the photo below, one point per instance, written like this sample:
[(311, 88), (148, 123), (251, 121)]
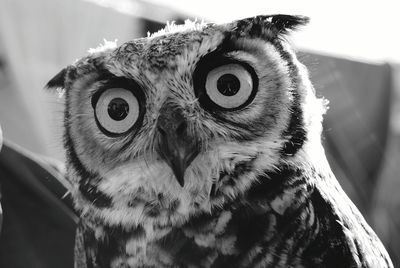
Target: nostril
[(180, 130)]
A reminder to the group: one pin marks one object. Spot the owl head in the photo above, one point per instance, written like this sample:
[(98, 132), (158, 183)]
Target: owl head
[(178, 123)]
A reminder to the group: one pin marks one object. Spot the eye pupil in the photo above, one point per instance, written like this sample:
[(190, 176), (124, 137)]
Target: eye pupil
[(118, 109), (228, 84)]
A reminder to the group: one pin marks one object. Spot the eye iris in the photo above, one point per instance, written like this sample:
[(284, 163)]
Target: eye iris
[(118, 109), (228, 84)]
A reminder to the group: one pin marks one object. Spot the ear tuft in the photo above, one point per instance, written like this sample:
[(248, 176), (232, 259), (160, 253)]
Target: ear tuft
[(285, 23), (268, 27), (58, 81)]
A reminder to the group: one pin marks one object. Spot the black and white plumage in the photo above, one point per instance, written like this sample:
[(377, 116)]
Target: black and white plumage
[(199, 146)]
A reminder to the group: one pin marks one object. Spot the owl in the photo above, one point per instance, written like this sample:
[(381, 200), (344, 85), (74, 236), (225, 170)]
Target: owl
[(199, 146)]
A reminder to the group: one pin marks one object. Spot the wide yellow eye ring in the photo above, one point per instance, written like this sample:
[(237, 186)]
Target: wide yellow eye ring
[(223, 84), (229, 86), (117, 110)]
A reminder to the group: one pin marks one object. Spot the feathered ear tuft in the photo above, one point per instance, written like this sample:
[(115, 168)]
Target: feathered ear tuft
[(58, 81), (285, 23), (269, 27)]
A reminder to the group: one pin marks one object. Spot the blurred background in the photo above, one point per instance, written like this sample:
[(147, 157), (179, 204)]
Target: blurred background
[(352, 49)]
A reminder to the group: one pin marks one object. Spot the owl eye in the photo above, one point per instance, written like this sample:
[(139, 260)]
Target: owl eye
[(229, 86), (117, 110), (224, 84)]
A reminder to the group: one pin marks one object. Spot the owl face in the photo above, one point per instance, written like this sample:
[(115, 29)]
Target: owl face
[(165, 127)]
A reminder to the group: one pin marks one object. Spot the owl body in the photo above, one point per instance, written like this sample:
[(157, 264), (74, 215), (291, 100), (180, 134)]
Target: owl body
[(199, 146)]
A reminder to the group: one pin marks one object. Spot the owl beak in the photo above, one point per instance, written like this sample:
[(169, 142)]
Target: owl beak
[(174, 147), (178, 157)]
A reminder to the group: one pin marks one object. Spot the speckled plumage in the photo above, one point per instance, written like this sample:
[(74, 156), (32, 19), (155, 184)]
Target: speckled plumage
[(255, 189)]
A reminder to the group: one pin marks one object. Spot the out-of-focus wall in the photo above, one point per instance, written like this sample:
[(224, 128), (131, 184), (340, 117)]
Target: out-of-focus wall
[(38, 38), (386, 201)]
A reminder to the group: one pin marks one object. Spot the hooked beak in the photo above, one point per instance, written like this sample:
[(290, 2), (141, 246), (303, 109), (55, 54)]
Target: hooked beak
[(174, 146)]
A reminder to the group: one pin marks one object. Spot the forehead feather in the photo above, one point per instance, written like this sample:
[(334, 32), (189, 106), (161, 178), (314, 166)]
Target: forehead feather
[(158, 51), (172, 40)]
